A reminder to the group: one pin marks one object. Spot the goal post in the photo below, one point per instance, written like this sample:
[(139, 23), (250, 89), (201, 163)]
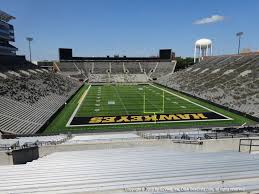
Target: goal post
[(153, 102)]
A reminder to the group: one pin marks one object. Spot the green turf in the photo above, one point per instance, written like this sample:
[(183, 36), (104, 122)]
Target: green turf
[(129, 100), (116, 100)]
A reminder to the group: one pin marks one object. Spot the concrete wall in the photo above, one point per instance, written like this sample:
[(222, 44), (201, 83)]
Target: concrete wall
[(6, 158)]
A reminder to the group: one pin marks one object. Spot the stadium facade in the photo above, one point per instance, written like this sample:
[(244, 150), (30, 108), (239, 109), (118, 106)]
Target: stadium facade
[(6, 35)]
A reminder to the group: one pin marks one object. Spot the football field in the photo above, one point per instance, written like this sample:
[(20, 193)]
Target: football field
[(137, 104), (131, 107)]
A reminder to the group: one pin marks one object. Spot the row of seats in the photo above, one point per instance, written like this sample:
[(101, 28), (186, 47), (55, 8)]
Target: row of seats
[(29, 97), (152, 69), (118, 78), (123, 169), (232, 81), (25, 88)]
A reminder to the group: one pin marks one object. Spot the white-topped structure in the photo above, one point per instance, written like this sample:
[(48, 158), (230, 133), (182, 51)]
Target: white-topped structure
[(120, 170), (102, 138), (203, 47)]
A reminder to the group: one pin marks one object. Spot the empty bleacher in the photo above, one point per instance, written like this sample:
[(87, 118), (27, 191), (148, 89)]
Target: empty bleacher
[(116, 170), (149, 67), (117, 67), (115, 70), (101, 67), (133, 67), (230, 80), (128, 78), (85, 67), (162, 69), (101, 78), (29, 97), (68, 67)]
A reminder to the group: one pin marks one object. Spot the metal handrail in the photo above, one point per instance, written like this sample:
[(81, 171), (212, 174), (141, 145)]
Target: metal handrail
[(250, 144)]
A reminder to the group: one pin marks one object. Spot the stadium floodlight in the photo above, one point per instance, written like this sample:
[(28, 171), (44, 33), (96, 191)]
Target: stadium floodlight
[(29, 39), (239, 34)]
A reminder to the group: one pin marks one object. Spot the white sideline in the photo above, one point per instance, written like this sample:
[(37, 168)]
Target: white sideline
[(76, 109), (192, 102), (138, 123)]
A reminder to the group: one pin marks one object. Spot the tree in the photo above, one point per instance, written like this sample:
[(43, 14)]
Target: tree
[(183, 63)]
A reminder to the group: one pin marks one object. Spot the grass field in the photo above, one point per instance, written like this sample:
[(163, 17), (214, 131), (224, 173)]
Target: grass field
[(102, 107), (129, 100)]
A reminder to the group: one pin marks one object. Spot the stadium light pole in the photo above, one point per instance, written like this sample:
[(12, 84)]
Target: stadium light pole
[(29, 41), (239, 34)]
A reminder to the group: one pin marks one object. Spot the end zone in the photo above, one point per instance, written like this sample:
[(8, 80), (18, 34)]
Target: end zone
[(145, 119)]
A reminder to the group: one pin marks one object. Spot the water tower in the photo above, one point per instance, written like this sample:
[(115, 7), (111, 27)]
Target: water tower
[(203, 47)]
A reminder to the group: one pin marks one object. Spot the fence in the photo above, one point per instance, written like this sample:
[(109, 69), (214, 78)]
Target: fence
[(248, 143)]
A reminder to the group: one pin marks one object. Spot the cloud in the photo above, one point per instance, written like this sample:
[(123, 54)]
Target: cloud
[(210, 19)]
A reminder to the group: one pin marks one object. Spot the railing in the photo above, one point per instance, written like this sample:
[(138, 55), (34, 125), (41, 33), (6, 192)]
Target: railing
[(223, 135), (248, 143)]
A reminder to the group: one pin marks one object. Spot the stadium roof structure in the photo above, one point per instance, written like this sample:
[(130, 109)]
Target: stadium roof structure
[(5, 16)]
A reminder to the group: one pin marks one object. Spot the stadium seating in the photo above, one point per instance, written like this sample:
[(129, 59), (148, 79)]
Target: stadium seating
[(117, 67), (85, 67), (230, 80), (116, 170), (128, 78), (29, 97), (68, 67), (26, 88), (164, 68), (114, 71), (101, 78), (149, 67), (101, 67), (133, 67)]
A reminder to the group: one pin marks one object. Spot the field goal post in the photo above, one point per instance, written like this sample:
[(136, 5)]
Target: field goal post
[(160, 110)]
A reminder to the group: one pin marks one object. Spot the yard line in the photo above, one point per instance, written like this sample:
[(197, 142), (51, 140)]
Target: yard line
[(78, 106), (120, 100), (148, 101), (128, 93), (228, 118)]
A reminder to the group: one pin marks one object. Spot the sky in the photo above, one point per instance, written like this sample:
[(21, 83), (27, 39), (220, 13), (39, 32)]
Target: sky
[(131, 27)]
